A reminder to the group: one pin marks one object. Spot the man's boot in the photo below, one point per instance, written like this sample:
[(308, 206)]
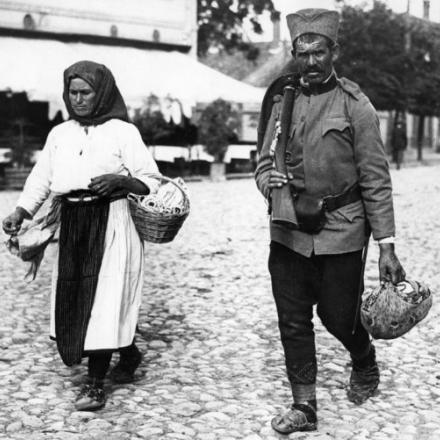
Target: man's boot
[(364, 378)]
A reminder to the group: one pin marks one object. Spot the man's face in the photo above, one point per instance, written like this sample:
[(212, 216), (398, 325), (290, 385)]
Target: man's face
[(82, 97), (314, 58)]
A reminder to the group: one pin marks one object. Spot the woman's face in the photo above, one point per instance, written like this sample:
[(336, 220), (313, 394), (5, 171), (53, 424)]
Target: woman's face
[(82, 97)]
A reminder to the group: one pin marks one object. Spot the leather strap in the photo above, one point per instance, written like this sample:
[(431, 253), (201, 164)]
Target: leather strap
[(84, 196), (353, 194)]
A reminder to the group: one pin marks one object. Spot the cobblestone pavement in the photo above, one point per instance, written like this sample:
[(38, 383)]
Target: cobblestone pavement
[(213, 366)]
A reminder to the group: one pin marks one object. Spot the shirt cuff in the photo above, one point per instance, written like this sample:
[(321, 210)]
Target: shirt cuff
[(385, 240)]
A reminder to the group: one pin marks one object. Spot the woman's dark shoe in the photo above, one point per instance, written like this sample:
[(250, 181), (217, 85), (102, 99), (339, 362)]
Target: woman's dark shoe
[(364, 379), (90, 398), (299, 417), (123, 372)]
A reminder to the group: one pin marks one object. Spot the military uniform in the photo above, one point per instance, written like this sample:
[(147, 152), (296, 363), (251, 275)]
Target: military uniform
[(334, 143), (334, 148)]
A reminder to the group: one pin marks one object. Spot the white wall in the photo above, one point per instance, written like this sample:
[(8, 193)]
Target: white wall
[(175, 20)]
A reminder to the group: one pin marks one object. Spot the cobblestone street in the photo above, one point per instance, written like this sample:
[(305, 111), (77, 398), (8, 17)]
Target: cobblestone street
[(213, 367)]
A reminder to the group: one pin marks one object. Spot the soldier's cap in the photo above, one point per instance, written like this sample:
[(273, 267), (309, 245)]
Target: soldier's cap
[(313, 21)]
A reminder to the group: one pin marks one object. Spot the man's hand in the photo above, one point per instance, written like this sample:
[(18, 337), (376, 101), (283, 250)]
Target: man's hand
[(275, 180), (106, 184), (12, 223), (390, 268)]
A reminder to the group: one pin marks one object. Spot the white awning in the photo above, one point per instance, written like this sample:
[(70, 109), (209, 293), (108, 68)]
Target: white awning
[(168, 153), (36, 66)]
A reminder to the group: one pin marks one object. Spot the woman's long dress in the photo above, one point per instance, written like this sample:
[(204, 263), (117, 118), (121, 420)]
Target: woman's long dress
[(72, 156)]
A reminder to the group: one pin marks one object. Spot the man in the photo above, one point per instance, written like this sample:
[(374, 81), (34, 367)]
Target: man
[(334, 149), (399, 142)]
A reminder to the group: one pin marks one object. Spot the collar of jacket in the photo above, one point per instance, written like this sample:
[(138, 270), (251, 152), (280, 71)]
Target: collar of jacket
[(324, 87)]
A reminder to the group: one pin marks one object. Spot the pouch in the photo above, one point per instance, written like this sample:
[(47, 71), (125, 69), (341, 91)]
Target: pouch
[(310, 212)]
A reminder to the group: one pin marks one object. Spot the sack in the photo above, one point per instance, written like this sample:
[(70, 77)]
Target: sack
[(310, 212), (389, 311)]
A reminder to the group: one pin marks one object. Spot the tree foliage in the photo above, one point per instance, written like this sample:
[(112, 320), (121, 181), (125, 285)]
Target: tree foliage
[(217, 128), (220, 23), (393, 57), (373, 53)]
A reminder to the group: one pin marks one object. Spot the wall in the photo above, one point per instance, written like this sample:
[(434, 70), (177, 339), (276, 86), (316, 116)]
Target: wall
[(160, 21)]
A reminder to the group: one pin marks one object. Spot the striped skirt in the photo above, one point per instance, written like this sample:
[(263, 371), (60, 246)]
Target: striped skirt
[(97, 283)]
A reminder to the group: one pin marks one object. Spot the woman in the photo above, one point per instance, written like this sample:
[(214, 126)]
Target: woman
[(91, 162)]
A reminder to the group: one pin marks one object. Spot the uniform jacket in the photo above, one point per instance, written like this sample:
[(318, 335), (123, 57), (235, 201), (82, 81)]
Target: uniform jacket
[(334, 143)]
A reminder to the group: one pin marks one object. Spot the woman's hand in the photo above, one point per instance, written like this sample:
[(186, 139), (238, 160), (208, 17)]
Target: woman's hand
[(106, 184), (12, 223)]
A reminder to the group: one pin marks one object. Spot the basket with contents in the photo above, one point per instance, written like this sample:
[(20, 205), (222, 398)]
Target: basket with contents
[(159, 216)]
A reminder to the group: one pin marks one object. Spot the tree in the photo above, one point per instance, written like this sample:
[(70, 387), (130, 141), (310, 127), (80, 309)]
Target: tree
[(395, 59), (373, 53), (220, 23), (217, 128), (423, 78)]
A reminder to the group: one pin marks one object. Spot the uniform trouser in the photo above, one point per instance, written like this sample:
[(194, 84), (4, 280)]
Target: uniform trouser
[(329, 281)]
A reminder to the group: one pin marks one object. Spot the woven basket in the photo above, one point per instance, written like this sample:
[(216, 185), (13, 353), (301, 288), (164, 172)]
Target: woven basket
[(153, 226)]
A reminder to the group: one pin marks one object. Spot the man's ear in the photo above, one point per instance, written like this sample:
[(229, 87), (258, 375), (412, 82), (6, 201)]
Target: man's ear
[(335, 53)]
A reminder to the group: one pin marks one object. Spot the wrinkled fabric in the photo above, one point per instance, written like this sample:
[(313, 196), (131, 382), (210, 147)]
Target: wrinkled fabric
[(334, 143), (109, 103), (71, 158), (31, 242)]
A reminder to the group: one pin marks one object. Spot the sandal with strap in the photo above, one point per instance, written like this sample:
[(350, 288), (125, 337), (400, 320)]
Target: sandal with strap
[(299, 417)]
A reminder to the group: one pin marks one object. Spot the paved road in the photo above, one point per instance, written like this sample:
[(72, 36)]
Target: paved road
[(213, 368)]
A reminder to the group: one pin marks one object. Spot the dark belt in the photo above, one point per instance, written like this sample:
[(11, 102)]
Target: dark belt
[(352, 195), (84, 196)]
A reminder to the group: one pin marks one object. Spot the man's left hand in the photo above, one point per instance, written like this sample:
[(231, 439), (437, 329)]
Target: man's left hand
[(106, 184), (390, 268)]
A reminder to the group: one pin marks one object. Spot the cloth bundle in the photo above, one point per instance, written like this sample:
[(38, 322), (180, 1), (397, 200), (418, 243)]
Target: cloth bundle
[(169, 199), (389, 311), (31, 241)]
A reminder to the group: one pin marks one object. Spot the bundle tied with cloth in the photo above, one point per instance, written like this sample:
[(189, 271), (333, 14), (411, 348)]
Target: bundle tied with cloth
[(390, 311), (159, 216), (33, 238)]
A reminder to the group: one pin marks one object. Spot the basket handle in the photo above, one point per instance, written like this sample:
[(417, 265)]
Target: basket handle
[(135, 197)]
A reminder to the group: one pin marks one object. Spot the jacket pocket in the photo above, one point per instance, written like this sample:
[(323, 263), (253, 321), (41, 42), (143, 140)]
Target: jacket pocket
[(337, 124)]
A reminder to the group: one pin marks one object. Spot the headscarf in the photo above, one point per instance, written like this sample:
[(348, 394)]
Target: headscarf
[(109, 103)]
